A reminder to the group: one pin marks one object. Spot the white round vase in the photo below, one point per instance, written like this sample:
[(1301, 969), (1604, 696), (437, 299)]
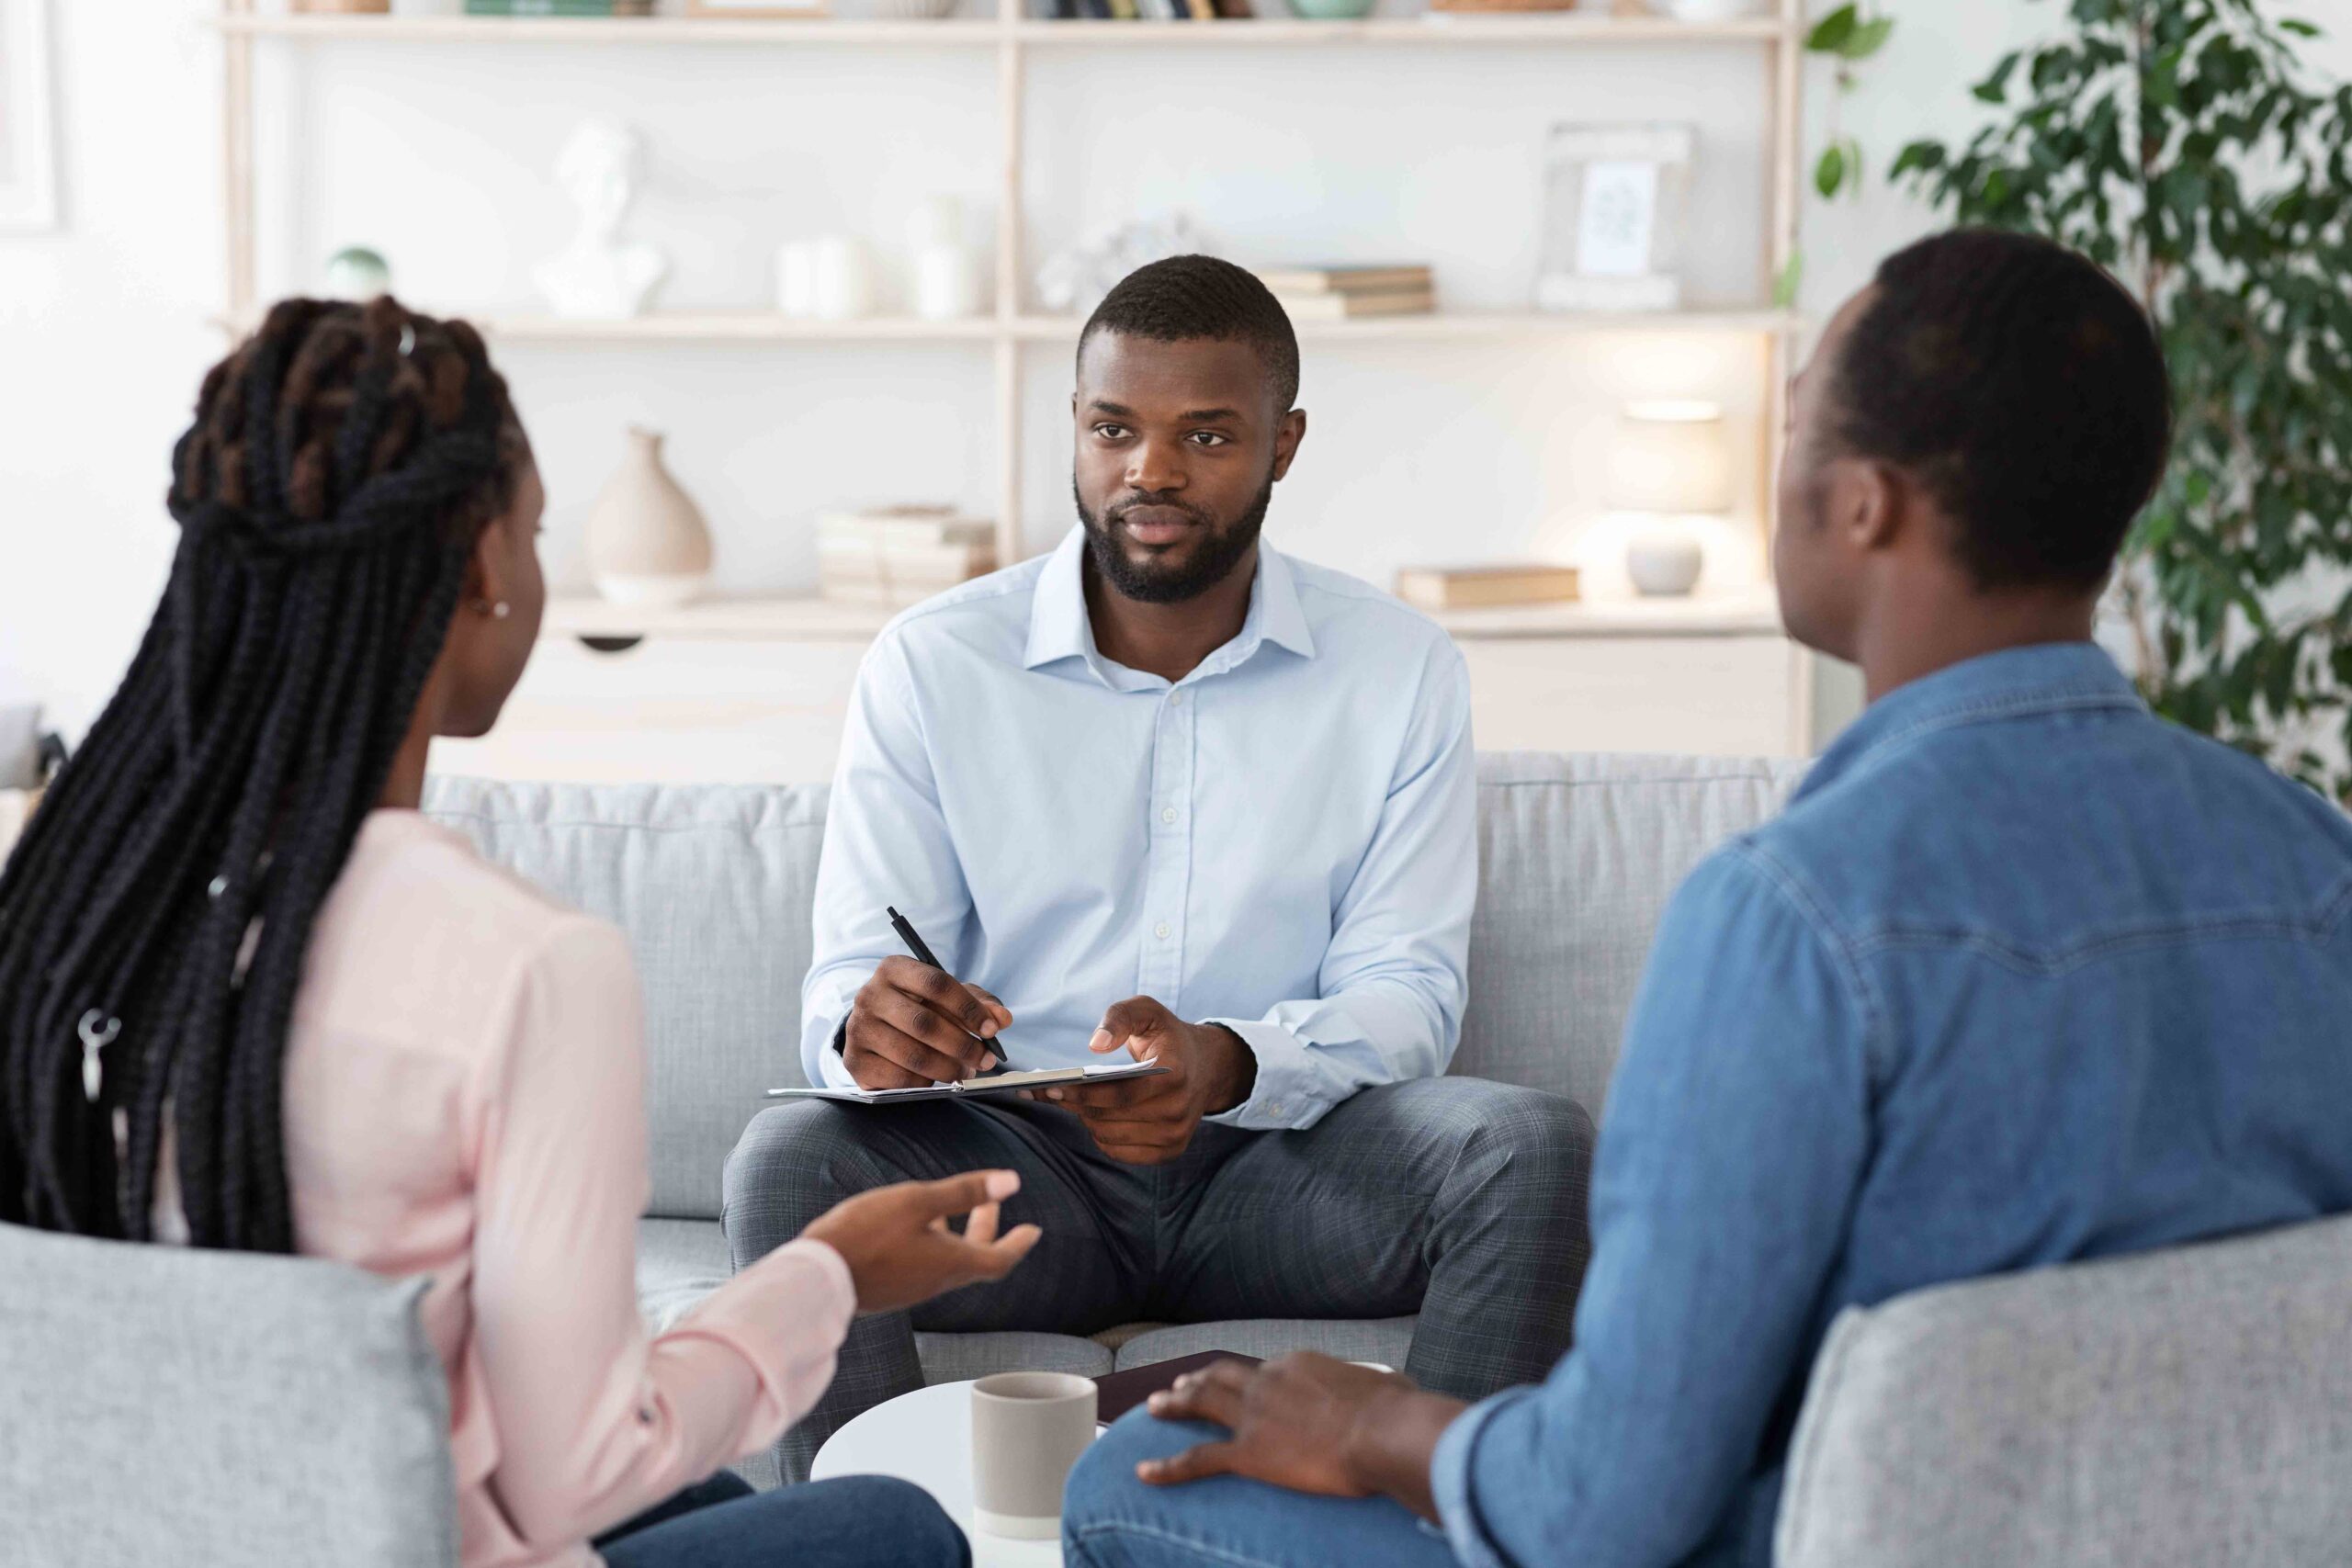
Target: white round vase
[(1664, 563), (648, 544)]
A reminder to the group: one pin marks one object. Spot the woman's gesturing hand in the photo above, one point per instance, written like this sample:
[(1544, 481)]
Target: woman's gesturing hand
[(899, 1246)]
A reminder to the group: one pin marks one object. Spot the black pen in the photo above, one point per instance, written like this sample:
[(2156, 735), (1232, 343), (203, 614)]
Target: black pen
[(922, 954)]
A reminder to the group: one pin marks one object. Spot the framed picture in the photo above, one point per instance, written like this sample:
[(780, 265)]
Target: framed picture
[(28, 119), (1615, 208)]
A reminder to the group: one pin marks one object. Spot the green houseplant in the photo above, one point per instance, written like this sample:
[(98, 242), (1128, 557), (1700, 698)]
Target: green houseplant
[(2180, 144)]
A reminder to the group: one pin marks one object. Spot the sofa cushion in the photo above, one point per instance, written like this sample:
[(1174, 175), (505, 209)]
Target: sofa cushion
[(256, 1409), (1384, 1339), (678, 1263), (2175, 1409), (1577, 856), (712, 884)]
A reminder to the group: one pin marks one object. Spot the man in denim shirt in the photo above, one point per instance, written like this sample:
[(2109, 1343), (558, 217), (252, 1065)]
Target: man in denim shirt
[(2023, 975)]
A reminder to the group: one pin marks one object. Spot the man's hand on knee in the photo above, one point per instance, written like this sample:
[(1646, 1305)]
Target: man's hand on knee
[(1311, 1424), (911, 1025), (1151, 1121)]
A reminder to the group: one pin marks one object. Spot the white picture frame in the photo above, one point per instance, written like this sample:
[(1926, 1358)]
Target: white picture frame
[(1615, 205), (28, 119)]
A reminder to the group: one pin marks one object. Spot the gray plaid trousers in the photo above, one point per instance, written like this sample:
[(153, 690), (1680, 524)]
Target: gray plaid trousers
[(1461, 1200)]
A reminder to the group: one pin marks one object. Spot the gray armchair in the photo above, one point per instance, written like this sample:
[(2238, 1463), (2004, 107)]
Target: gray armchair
[(204, 1409), (2177, 1409)]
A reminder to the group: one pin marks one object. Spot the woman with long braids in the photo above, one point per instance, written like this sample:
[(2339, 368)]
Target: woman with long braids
[(250, 998)]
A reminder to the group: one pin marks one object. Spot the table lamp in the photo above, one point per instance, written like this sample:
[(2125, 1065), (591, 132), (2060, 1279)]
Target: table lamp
[(1671, 465)]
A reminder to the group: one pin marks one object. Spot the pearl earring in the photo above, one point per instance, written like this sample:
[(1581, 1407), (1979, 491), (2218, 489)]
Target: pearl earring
[(497, 612)]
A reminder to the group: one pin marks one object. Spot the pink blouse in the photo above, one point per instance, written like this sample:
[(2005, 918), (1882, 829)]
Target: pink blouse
[(465, 1083)]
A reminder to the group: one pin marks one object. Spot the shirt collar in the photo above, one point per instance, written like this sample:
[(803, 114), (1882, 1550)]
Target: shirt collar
[(2045, 678), (1058, 626)]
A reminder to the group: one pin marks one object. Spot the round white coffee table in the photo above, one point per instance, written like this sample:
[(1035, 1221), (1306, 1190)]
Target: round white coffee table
[(926, 1437)]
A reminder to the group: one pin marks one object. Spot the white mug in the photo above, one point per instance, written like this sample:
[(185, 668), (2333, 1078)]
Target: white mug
[(844, 279), (1028, 1429)]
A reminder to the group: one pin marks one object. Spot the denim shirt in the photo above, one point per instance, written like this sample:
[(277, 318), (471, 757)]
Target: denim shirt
[(2024, 974)]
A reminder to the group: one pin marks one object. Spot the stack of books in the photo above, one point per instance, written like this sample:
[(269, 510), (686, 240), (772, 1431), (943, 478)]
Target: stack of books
[(1338, 293), (1486, 587), (1152, 10), (895, 557), (558, 7)]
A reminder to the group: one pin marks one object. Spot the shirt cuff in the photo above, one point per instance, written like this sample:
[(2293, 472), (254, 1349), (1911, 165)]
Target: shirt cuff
[(786, 1316), (832, 1072), (1286, 1098), (1452, 1486)]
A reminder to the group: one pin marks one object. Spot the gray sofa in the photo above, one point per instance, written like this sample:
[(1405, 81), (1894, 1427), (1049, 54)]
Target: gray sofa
[(713, 886), (2175, 1410)]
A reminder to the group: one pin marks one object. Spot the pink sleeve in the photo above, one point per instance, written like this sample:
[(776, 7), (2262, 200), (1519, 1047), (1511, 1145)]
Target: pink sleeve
[(596, 1420)]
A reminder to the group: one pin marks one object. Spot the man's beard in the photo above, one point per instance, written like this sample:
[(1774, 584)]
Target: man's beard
[(1149, 583)]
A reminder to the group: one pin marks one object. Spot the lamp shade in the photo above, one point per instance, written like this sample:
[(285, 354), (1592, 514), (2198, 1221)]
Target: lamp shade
[(1670, 457)]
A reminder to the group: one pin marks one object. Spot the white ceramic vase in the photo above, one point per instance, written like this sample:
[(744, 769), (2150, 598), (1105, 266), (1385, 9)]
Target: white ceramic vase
[(648, 544), (1664, 561)]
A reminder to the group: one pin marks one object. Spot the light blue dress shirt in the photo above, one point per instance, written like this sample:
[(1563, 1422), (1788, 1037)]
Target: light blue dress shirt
[(1283, 842), (2023, 975)]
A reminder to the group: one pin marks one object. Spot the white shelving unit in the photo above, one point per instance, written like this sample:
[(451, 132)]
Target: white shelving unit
[(1011, 325), (820, 620)]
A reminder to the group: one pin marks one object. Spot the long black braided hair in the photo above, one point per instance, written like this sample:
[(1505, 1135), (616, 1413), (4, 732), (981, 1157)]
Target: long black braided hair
[(342, 465)]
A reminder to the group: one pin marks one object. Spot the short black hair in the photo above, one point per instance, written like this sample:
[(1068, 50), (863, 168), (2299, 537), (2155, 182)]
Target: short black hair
[(1185, 299), (2024, 387)]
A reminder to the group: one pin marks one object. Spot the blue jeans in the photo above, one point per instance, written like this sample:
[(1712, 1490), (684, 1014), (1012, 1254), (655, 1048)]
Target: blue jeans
[(858, 1521), (1112, 1520)]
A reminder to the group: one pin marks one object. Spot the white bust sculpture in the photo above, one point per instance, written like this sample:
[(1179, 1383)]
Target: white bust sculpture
[(597, 275)]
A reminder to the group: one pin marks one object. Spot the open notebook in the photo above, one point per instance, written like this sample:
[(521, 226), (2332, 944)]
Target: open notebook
[(1001, 1083)]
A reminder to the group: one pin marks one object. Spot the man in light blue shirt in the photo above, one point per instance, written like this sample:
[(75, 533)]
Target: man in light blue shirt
[(2023, 975), (1167, 794)]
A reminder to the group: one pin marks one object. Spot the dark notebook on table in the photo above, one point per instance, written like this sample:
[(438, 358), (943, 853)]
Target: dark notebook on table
[(1123, 1391)]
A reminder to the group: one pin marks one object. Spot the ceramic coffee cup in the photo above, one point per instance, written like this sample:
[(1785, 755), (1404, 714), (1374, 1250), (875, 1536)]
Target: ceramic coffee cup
[(1028, 1429)]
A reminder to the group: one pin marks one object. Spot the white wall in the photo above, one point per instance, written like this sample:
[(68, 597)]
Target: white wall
[(103, 338), (437, 155)]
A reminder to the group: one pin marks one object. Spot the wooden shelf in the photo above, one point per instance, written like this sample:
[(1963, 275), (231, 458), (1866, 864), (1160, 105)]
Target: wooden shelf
[(814, 32), (735, 326), (817, 620), (768, 327), (1442, 324), (1438, 29), (718, 620), (1752, 613)]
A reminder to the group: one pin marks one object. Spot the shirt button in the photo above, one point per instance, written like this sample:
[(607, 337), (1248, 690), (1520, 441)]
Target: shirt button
[(1160, 930), (1175, 696), (1274, 1108), (1168, 815)]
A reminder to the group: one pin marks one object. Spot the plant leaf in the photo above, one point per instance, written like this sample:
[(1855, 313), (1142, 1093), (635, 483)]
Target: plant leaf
[(1830, 173), (1994, 88), (1791, 278), (1830, 33), (1868, 38)]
